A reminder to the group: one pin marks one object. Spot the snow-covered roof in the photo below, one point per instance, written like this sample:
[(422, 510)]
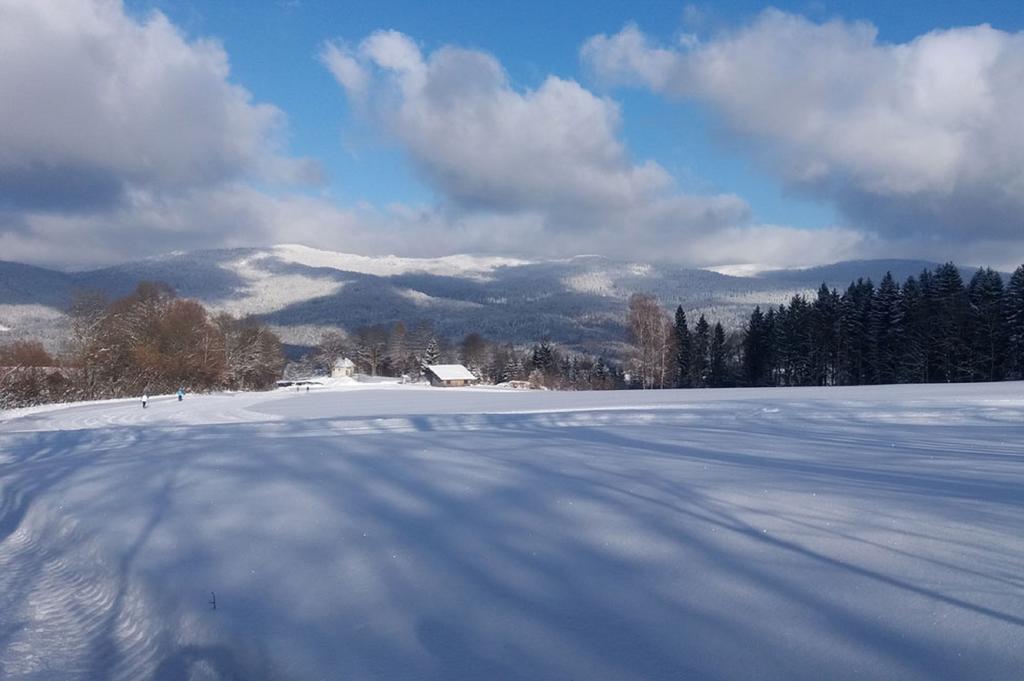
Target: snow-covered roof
[(344, 363), (451, 372)]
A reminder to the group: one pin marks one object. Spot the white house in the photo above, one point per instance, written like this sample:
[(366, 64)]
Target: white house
[(449, 375), (343, 368)]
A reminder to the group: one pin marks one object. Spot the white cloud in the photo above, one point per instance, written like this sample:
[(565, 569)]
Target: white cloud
[(922, 139), (550, 154), (127, 139), (104, 117), (148, 223)]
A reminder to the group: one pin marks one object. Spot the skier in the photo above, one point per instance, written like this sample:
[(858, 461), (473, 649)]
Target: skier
[(181, 393), (145, 399)]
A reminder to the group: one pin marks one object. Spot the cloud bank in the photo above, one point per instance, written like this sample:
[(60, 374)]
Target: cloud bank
[(545, 163), (920, 143), (122, 137), (115, 133)]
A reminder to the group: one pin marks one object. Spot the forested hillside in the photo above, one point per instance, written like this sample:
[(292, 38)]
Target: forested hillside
[(301, 292)]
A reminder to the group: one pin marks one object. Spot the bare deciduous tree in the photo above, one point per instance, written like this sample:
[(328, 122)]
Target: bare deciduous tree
[(648, 324)]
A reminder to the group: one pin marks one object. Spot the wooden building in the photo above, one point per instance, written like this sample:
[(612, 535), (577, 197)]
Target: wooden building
[(449, 375)]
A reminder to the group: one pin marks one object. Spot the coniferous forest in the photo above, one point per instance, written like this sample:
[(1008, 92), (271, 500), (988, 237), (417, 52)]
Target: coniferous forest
[(932, 328)]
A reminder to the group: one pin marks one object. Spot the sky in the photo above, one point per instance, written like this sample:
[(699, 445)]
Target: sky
[(715, 134)]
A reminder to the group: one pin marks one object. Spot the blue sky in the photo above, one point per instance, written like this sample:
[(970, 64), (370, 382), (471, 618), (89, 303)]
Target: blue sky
[(273, 48), (734, 132)]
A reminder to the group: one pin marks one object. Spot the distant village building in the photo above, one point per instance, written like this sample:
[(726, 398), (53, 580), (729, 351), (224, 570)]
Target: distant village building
[(449, 375), (343, 368)]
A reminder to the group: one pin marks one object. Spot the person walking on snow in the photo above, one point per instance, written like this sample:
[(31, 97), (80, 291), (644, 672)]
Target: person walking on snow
[(181, 394), (145, 398)]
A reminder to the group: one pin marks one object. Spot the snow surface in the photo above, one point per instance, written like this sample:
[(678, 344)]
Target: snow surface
[(740, 270), (421, 299), (470, 266), (265, 292), (404, 532)]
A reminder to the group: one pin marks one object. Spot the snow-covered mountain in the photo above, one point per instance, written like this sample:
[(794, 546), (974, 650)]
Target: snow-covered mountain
[(303, 291)]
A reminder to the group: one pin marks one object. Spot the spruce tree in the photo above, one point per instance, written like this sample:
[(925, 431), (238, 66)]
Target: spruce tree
[(683, 350), (514, 370), (928, 315), (884, 331), (824, 323), (912, 350), (854, 336), (849, 332), (756, 341), (699, 359), (1013, 311), (783, 346), (796, 348), (432, 353), (949, 325), (545, 359), (771, 351), (986, 326), (716, 357)]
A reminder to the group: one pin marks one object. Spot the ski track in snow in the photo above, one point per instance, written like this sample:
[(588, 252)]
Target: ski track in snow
[(402, 532)]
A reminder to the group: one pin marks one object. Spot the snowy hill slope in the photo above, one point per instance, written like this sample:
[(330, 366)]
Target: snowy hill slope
[(401, 532), (302, 291)]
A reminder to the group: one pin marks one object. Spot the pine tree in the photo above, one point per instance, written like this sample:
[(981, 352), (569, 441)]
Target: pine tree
[(683, 350), (824, 323), (1013, 311), (949, 325), (418, 339), (567, 371), (771, 347), (717, 362), (432, 352), (987, 326), (699, 359), (928, 315), (514, 370), (796, 347), (884, 331), (912, 349), (544, 359), (599, 380), (414, 365), (854, 357), (757, 349)]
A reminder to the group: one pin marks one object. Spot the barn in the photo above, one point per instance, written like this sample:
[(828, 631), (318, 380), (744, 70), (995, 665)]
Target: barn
[(449, 375)]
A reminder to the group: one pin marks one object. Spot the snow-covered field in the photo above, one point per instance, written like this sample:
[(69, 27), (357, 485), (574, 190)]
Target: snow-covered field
[(398, 532)]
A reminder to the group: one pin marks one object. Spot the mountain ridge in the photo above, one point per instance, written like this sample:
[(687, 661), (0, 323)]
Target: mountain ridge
[(302, 291)]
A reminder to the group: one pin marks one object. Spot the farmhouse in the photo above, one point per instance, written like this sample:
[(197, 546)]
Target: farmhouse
[(343, 368), (449, 375)]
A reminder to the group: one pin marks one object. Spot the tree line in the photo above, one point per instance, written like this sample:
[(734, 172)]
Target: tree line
[(400, 350), (932, 328), (149, 341)]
